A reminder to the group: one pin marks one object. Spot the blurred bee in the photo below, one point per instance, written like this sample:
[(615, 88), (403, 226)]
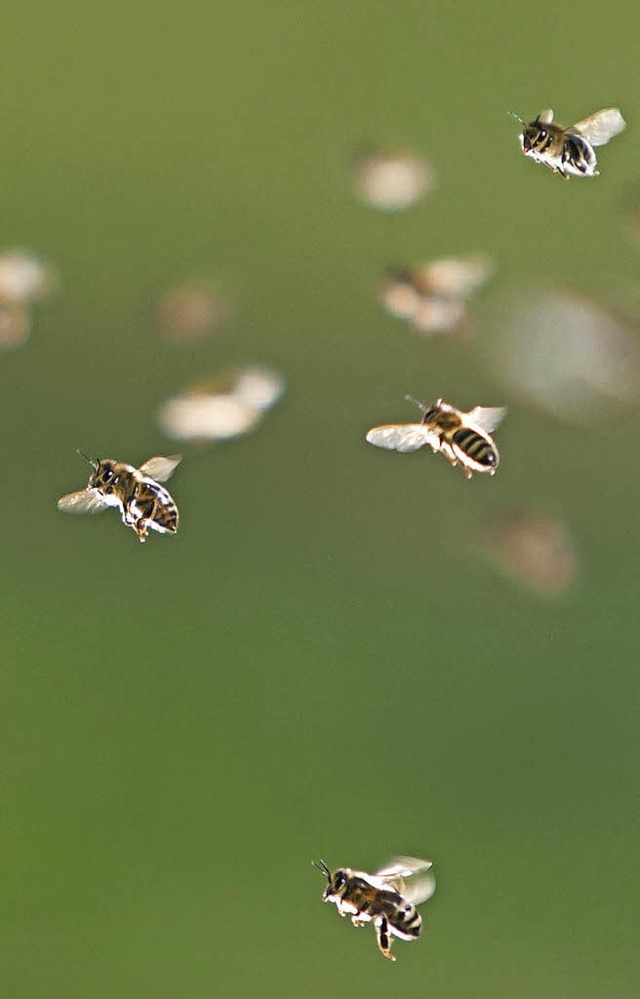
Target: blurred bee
[(391, 180), (433, 295), (569, 150), (388, 899), (136, 492), (463, 438)]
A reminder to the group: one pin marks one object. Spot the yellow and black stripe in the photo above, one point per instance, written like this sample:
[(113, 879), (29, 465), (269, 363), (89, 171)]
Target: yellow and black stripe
[(476, 447)]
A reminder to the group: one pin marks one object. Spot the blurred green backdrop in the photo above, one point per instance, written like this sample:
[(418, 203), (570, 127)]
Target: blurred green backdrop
[(316, 666)]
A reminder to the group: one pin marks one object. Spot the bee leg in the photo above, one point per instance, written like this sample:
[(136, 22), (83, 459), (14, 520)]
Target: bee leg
[(148, 513), (127, 517), (140, 527), (449, 454), (384, 940)]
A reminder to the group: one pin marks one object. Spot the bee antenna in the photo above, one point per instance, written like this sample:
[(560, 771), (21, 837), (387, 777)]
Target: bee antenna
[(517, 118), (421, 406), (322, 867), (92, 461)]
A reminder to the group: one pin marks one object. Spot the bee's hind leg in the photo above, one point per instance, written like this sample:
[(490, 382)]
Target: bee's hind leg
[(383, 937), (141, 529)]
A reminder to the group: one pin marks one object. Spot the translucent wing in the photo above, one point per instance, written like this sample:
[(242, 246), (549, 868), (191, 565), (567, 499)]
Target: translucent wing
[(438, 315), (402, 437), (85, 501), (160, 468), (545, 117), (598, 128), (454, 277), (412, 877), (485, 418)]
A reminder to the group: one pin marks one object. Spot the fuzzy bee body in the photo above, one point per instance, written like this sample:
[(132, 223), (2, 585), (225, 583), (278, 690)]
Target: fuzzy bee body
[(136, 492), (569, 150), (387, 899), (463, 437)]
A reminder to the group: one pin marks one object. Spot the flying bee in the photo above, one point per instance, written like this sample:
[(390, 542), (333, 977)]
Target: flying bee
[(569, 150), (388, 899), (433, 295), (136, 492), (463, 438)]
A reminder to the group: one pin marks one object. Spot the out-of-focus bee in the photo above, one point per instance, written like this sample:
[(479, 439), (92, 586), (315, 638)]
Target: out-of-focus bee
[(463, 438), (569, 150), (530, 546), (391, 180), (388, 898), (433, 295), (136, 492), (224, 407)]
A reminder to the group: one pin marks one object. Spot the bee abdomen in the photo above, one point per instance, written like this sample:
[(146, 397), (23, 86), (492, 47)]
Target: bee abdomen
[(579, 154), (167, 517), (408, 921), (475, 447), (154, 503)]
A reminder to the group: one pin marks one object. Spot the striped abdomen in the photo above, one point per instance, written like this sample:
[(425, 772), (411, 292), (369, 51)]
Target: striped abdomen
[(154, 503), (578, 153), (403, 917), (406, 921), (473, 445)]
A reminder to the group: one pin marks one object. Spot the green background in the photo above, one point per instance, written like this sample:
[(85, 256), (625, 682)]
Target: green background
[(318, 665)]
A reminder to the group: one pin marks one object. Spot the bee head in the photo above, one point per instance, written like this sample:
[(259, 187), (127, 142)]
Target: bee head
[(536, 132), (429, 413), (335, 882), (103, 475)]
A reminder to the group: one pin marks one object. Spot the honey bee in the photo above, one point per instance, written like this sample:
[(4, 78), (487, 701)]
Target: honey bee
[(136, 492), (388, 899), (463, 438), (433, 295), (569, 150)]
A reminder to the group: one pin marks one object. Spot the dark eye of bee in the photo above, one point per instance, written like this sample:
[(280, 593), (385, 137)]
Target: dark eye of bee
[(338, 882), (107, 475), (543, 135)]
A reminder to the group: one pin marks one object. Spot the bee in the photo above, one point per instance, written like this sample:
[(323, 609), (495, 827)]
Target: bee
[(388, 899), (136, 492), (569, 150), (463, 438), (433, 295)]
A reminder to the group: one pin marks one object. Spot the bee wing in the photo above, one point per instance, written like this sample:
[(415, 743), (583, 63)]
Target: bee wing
[(598, 128), (160, 468), (412, 877), (545, 117), (84, 501), (402, 436), (420, 886), (454, 277), (485, 418)]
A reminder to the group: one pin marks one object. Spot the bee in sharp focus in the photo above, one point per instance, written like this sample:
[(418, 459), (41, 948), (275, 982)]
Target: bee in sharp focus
[(136, 492), (463, 438), (388, 898), (569, 150)]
